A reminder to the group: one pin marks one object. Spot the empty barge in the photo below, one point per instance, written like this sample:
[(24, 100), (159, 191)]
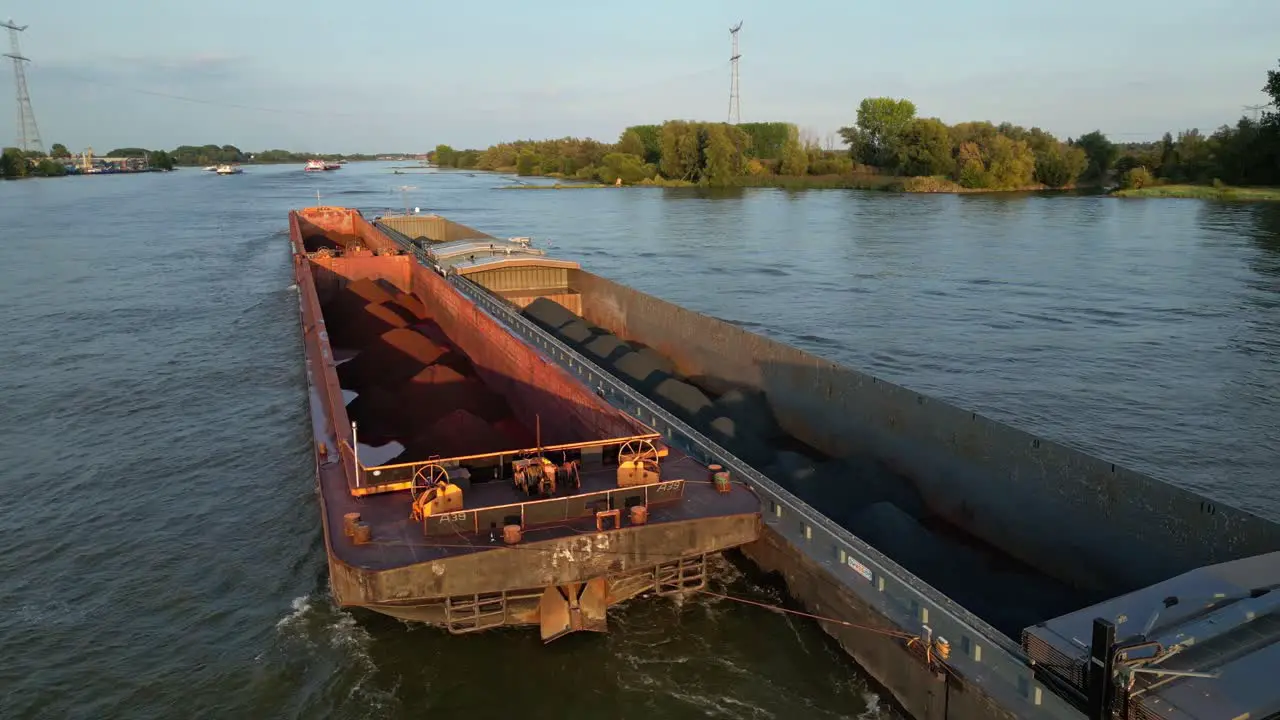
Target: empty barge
[(465, 479), (1021, 577)]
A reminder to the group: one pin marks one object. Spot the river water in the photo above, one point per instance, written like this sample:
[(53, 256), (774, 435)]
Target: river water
[(163, 554)]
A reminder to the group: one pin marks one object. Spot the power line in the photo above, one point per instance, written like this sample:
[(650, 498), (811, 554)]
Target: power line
[(663, 82), (201, 101), (1255, 109)]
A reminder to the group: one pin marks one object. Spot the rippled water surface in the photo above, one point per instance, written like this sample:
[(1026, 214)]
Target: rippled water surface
[(163, 555)]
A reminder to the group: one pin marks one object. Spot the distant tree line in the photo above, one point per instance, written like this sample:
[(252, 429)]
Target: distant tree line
[(15, 163), (974, 155), (677, 151), (889, 138), (1245, 154)]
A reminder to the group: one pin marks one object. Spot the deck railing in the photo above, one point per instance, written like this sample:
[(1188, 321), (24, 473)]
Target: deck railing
[(400, 476), (529, 515)]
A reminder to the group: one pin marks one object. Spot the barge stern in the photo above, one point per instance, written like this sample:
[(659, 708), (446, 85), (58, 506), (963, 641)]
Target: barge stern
[(468, 481)]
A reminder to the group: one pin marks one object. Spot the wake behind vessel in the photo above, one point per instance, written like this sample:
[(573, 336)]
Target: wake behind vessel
[(466, 480)]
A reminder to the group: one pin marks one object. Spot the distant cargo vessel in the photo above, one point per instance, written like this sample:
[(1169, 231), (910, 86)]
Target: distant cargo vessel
[(973, 569), (465, 479)]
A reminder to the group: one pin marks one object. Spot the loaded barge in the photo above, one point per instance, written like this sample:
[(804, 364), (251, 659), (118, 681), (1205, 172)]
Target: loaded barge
[(465, 479), (972, 569)]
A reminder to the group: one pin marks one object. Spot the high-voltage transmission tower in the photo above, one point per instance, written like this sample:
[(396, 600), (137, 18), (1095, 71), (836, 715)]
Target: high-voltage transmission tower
[(1256, 109), (735, 102), (28, 133)]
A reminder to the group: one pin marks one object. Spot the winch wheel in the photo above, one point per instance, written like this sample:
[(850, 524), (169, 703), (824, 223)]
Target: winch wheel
[(637, 451), (428, 477)]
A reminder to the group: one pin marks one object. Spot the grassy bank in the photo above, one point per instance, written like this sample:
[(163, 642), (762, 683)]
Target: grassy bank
[(822, 182), (556, 186), (1203, 192), (856, 181)]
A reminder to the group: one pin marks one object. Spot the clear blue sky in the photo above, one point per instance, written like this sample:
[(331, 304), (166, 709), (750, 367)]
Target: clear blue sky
[(378, 75)]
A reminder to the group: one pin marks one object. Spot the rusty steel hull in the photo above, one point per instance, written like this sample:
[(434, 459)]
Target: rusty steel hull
[(400, 575), (631, 561)]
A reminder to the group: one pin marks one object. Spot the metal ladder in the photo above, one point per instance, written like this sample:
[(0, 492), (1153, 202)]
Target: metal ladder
[(680, 576), (470, 613)]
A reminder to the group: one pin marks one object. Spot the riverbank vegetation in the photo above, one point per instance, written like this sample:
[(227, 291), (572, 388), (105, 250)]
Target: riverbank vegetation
[(890, 146), (15, 163)]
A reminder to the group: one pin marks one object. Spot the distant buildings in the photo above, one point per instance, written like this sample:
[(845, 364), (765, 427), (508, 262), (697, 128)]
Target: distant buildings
[(86, 163)]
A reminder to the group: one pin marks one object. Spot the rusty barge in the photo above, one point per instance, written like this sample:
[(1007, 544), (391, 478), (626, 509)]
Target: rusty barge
[(1008, 576), (465, 479)]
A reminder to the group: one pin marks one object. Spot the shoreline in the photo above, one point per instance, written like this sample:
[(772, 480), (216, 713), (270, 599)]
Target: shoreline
[(873, 183), (922, 186), (1203, 192)]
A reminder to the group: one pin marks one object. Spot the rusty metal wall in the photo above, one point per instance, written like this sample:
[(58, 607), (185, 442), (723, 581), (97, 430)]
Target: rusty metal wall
[(334, 273), (342, 225), (323, 375), (433, 227), (534, 385), (1075, 516)]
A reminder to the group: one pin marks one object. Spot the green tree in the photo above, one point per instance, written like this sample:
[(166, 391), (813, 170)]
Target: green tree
[(47, 167), (1136, 178), (873, 138), (1010, 163), (794, 159), (1272, 89), (59, 151), (13, 164), (725, 148), (1102, 153), (630, 168), (681, 150), (445, 156), (1193, 156), (767, 140), (631, 144), (925, 148), (981, 133), (161, 160), (651, 137), (971, 167), (1060, 165), (527, 163)]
